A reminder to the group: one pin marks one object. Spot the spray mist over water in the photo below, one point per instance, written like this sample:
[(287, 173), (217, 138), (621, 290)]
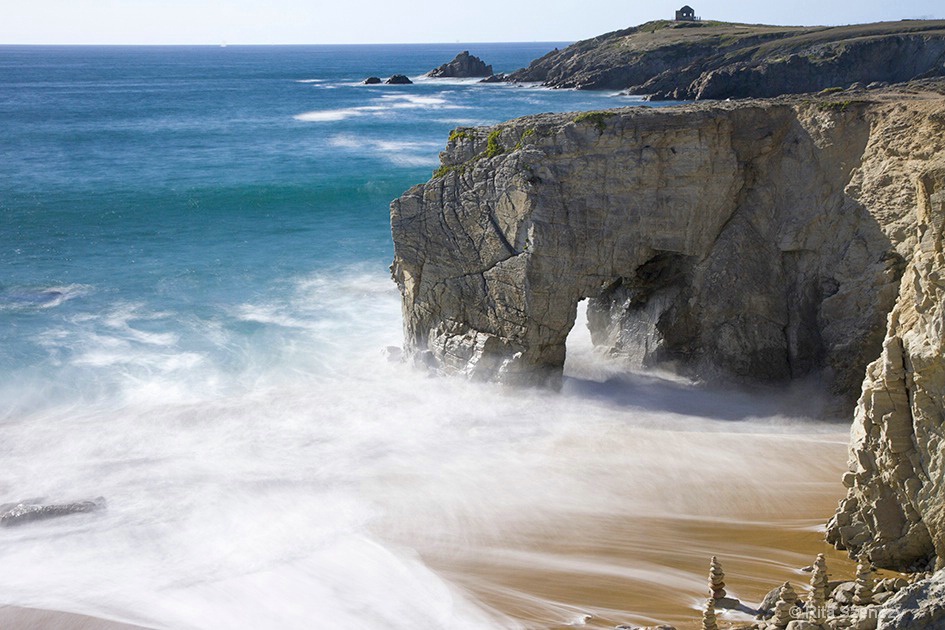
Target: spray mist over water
[(319, 481)]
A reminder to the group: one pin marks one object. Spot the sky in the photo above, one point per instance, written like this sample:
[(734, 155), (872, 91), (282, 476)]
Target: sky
[(388, 21)]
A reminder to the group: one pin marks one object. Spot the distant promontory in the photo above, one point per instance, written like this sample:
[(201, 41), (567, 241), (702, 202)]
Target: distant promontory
[(692, 59)]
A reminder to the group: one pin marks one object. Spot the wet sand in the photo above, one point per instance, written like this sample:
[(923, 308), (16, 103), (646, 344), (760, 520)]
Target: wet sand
[(557, 570), (15, 618)]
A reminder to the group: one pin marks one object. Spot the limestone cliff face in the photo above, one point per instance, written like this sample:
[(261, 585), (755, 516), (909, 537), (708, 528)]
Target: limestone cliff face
[(895, 508), (759, 240)]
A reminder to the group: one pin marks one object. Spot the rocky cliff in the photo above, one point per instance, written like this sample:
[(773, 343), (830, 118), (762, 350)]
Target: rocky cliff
[(895, 508), (717, 60), (757, 240)]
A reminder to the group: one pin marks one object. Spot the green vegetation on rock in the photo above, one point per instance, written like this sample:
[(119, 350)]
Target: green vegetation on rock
[(598, 119), (493, 146)]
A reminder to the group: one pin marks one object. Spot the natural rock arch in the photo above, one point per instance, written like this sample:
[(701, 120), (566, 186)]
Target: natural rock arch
[(722, 240)]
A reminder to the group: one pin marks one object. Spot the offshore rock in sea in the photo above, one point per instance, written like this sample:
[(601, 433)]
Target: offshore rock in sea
[(463, 66), (399, 79), (372, 81), (26, 512)]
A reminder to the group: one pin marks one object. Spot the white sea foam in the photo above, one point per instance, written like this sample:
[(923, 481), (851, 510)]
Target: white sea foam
[(398, 152), (302, 486), (381, 106), (422, 79), (329, 115)]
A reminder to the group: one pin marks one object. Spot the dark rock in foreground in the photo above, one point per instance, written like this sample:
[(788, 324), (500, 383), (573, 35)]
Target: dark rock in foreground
[(399, 79), (20, 513), (372, 81), (463, 66)]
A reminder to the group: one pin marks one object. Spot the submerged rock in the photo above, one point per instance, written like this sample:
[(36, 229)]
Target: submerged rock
[(399, 79), (494, 78), (27, 512), (463, 66)]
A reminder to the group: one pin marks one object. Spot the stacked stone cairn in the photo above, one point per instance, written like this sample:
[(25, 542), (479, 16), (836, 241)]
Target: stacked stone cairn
[(784, 609), (865, 582), (716, 579), (709, 621), (817, 598)]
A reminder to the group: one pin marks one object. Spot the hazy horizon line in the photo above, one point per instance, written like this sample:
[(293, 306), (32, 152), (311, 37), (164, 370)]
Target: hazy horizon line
[(225, 43)]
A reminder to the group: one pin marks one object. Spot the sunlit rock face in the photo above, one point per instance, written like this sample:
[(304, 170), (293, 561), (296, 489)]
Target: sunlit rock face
[(750, 241), (895, 508)]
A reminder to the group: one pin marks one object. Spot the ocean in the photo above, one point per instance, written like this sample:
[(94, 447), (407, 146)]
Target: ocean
[(195, 304)]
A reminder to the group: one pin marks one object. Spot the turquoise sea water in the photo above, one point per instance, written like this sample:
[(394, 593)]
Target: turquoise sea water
[(194, 301), (179, 185)]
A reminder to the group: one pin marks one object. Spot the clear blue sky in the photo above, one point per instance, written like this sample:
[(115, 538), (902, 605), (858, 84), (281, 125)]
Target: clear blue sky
[(388, 21)]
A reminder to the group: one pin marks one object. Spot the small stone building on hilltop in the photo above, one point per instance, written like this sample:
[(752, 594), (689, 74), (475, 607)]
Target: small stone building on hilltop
[(686, 14)]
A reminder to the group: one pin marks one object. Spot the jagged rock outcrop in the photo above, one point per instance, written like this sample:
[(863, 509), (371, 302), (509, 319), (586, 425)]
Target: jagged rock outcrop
[(716, 60), (753, 240), (463, 66), (398, 79), (895, 508)]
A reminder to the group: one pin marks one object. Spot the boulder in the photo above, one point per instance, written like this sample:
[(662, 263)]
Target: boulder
[(399, 79), (372, 81)]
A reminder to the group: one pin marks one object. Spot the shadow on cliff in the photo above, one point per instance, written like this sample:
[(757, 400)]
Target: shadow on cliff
[(802, 399)]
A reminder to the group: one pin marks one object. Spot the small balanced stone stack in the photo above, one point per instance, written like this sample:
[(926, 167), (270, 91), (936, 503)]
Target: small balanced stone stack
[(865, 582), (783, 610), (817, 598), (709, 622), (716, 579)]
